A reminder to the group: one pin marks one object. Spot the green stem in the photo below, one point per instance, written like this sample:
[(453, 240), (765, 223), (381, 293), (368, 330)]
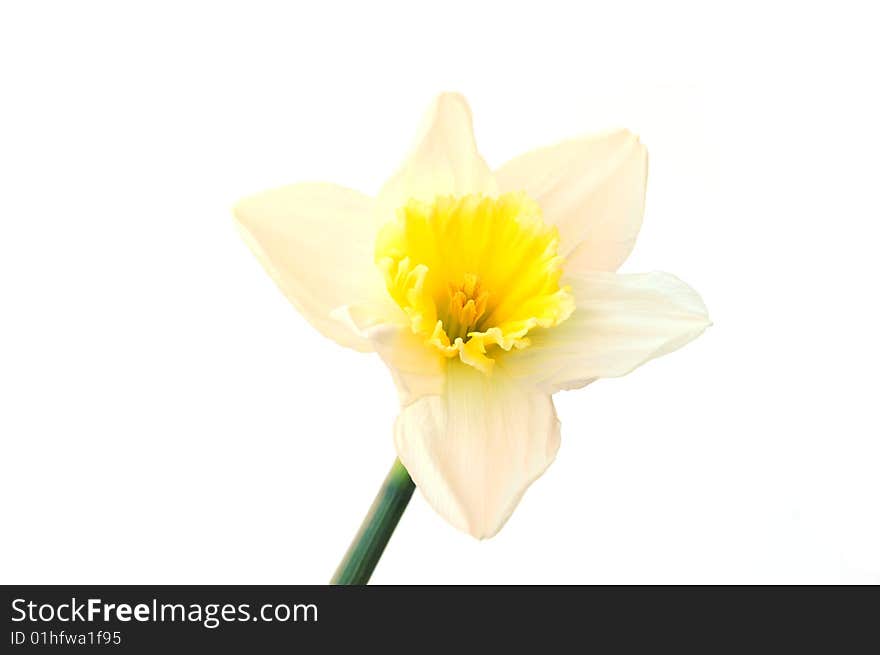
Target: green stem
[(369, 543)]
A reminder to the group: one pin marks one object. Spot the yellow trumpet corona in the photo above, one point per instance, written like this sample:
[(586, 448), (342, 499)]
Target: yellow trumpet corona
[(474, 274)]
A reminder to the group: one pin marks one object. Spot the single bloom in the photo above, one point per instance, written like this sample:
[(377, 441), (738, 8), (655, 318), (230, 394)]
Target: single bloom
[(483, 291)]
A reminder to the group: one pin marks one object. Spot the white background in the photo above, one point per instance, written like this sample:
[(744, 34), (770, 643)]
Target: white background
[(167, 417)]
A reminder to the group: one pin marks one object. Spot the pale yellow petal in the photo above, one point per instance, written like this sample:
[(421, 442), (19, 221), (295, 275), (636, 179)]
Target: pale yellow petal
[(620, 322), (592, 189), (444, 159), (316, 241), (417, 370), (474, 450)]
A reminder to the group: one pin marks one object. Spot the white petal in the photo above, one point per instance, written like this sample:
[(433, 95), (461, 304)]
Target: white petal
[(474, 450), (592, 189), (418, 370), (316, 241), (620, 322), (443, 160)]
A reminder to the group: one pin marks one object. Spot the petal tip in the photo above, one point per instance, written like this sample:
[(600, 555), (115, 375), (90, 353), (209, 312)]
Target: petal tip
[(450, 99), (451, 105), (238, 212)]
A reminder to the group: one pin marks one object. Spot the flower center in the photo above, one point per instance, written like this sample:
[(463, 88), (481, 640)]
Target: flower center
[(474, 274), (467, 304)]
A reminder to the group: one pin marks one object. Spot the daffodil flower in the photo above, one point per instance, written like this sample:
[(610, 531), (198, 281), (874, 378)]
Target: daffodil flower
[(484, 292)]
